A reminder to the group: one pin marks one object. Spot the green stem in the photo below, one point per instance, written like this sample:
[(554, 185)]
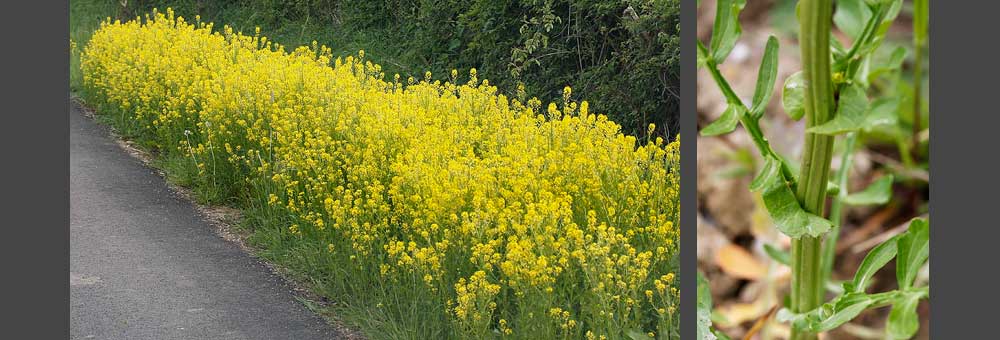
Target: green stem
[(917, 88), (836, 217), (749, 122), (814, 40), (919, 43)]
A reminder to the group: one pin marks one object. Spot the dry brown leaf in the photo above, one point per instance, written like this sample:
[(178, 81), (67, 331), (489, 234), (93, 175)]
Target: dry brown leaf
[(737, 262), (735, 314)]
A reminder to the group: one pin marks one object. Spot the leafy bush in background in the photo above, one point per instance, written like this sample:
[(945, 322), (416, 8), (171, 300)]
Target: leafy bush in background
[(622, 52)]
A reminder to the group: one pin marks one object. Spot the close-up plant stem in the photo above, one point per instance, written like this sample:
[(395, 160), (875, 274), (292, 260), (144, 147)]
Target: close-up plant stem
[(919, 43), (814, 39), (836, 215)]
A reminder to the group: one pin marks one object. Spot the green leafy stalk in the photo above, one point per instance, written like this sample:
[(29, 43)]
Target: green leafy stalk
[(814, 39), (836, 216), (919, 43)]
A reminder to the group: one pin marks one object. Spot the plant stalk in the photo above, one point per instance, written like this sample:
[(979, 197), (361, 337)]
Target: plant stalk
[(836, 214), (815, 19), (919, 43)]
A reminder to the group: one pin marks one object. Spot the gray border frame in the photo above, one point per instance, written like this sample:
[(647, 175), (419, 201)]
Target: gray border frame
[(964, 117), (963, 165), (35, 241), (689, 168)]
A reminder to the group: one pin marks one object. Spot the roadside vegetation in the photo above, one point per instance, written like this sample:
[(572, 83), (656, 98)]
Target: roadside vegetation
[(420, 208)]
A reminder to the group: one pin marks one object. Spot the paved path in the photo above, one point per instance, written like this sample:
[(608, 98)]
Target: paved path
[(144, 265)]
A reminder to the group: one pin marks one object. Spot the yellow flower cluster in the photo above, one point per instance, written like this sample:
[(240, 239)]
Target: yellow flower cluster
[(520, 220)]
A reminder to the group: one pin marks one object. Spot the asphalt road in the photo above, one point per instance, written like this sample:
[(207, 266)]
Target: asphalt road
[(145, 265)]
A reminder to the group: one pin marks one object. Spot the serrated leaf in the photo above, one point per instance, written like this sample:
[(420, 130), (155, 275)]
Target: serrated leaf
[(913, 249), (851, 17), (793, 96), (851, 109), (878, 192), (766, 77), (778, 255), (903, 321), (726, 123), (875, 260), (726, 29), (704, 326), (783, 207)]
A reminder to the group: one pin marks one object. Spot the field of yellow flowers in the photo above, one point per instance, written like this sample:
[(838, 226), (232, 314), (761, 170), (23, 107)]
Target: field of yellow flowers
[(489, 215)]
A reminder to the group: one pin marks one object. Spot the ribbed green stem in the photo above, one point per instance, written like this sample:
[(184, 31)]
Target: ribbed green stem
[(836, 214), (918, 82), (815, 17)]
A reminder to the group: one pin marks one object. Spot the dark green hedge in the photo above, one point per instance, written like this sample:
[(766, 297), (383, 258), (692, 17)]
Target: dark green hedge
[(621, 55)]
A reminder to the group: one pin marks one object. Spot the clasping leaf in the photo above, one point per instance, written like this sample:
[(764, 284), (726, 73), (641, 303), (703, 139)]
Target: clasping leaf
[(782, 206), (851, 109)]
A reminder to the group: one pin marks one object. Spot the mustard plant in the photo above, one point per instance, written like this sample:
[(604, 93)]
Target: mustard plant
[(831, 94)]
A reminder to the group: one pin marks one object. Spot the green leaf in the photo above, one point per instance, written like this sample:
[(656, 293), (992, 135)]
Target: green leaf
[(793, 96), (778, 255), (903, 321), (771, 168), (851, 109), (704, 327), (726, 29), (913, 251), (883, 113), (875, 260), (846, 308), (893, 62), (637, 335), (830, 315), (766, 77), (783, 207), (726, 123), (851, 17), (878, 192)]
